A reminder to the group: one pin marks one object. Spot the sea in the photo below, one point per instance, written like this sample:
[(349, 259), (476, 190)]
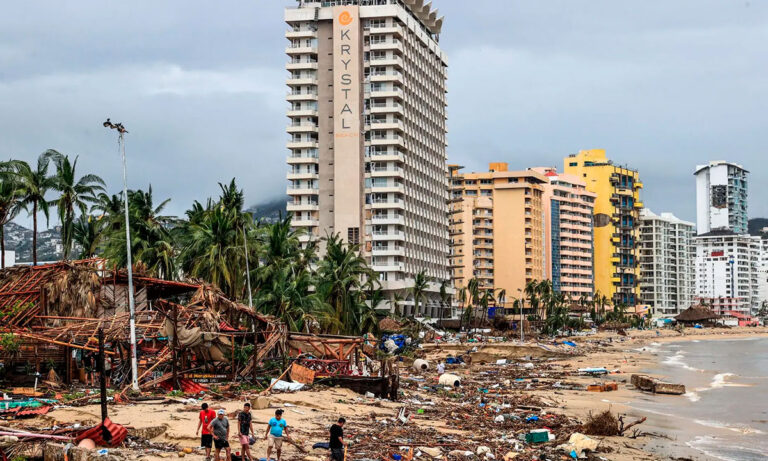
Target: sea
[(724, 414)]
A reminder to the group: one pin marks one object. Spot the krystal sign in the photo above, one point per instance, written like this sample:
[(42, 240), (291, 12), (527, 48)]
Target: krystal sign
[(347, 145)]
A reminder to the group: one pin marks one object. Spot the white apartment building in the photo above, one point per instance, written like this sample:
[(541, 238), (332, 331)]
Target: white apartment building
[(762, 270), (721, 197), (667, 253), (367, 133), (727, 271), (10, 258)]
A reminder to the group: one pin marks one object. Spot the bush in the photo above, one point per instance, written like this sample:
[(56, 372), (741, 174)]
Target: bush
[(603, 424)]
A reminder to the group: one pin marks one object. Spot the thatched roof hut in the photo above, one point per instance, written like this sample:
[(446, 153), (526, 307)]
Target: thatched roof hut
[(697, 314)]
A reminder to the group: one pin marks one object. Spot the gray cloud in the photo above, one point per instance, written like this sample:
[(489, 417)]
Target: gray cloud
[(661, 85)]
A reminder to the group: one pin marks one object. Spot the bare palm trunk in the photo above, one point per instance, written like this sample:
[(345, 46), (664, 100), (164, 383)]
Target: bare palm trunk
[(34, 234), (2, 247)]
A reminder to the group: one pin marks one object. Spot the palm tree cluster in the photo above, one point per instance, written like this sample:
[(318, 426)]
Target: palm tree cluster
[(213, 243), (25, 187)]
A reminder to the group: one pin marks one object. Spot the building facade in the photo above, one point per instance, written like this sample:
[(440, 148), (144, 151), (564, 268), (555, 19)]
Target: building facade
[(367, 131), (497, 229), (727, 271), (568, 209), (721, 197), (667, 269), (615, 220)]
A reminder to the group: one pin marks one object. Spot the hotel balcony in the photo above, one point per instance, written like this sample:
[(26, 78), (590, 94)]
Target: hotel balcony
[(301, 50), (302, 175), (305, 222), (301, 33), (388, 251), (302, 128), (301, 65), (303, 190), (301, 96), (388, 219), (301, 145), (293, 206), (393, 235), (301, 113), (297, 159)]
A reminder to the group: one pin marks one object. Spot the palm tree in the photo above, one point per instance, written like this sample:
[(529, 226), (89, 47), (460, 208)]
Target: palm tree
[(445, 298), (288, 297), (76, 194), (473, 296), (461, 297), (341, 277), (9, 203), (87, 231), (152, 242), (212, 252), (419, 289), (35, 184)]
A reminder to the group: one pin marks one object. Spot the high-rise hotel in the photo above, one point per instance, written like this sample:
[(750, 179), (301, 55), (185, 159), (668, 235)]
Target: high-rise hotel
[(367, 132)]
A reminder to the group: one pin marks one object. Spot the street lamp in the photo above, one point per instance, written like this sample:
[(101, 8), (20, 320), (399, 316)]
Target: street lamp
[(131, 304)]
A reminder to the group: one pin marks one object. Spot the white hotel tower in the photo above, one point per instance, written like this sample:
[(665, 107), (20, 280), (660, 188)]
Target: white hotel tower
[(367, 132)]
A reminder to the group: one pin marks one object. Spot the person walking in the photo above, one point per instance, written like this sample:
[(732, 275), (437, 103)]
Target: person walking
[(245, 428), (219, 427), (337, 443), (275, 429), (206, 439)]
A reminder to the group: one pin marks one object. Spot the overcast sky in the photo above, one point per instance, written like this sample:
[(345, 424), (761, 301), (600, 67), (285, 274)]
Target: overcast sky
[(661, 85)]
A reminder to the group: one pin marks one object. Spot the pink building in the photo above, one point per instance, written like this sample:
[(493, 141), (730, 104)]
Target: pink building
[(568, 208)]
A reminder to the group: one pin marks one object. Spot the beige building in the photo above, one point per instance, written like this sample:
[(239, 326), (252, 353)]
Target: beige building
[(367, 143), (568, 208), (497, 228)]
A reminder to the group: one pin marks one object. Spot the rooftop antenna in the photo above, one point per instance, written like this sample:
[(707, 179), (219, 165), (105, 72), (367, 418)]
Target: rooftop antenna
[(131, 303)]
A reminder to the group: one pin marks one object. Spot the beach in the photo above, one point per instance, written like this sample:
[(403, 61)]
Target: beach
[(703, 424)]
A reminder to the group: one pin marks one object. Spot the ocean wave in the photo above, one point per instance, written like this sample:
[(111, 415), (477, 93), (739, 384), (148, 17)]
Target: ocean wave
[(722, 380), (677, 360), (721, 449), (692, 396), (739, 428)]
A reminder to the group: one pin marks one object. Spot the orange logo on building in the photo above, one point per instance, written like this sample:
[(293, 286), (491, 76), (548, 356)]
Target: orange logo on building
[(345, 18)]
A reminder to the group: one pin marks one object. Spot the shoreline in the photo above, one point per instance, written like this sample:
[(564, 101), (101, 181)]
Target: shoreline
[(639, 353)]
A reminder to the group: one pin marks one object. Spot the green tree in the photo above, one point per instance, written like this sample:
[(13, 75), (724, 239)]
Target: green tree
[(342, 276), (74, 194), (87, 231), (419, 290), (10, 202), (35, 185)]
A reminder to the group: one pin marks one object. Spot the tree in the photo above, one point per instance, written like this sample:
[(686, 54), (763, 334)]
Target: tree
[(10, 203), (75, 194), (35, 184), (342, 276), (419, 290), (87, 231), (152, 244), (445, 298)]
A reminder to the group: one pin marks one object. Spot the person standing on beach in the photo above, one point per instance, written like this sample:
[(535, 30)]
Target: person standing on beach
[(440, 368), (245, 428), (337, 443), (275, 429), (206, 439), (219, 427)]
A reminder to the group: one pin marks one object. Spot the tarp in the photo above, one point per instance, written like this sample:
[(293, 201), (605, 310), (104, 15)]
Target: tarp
[(286, 386)]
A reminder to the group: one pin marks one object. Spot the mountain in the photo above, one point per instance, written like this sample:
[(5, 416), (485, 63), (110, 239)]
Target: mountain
[(269, 211), (19, 239), (755, 225)]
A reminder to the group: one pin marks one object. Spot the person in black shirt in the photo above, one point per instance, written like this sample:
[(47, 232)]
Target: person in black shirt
[(337, 443), (245, 428)]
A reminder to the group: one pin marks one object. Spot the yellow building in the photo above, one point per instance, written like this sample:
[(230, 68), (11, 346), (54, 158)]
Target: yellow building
[(497, 228), (616, 222)]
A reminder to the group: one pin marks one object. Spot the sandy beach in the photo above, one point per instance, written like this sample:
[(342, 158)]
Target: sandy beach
[(310, 412)]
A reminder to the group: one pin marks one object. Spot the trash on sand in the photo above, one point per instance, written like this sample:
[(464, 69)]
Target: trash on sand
[(606, 387), (450, 380), (420, 365), (431, 451), (286, 386), (538, 436), (569, 343), (593, 371), (578, 444)]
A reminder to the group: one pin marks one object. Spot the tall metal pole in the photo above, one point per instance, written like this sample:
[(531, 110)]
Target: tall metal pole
[(131, 302), (247, 269)]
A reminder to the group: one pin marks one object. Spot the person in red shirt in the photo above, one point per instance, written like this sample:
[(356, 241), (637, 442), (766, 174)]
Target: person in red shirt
[(206, 439)]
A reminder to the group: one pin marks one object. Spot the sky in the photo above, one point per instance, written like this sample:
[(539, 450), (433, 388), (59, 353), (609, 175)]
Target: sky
[(662, 86)]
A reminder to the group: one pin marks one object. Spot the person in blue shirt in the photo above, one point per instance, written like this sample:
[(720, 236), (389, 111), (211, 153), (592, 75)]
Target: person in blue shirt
[(277, 428)]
